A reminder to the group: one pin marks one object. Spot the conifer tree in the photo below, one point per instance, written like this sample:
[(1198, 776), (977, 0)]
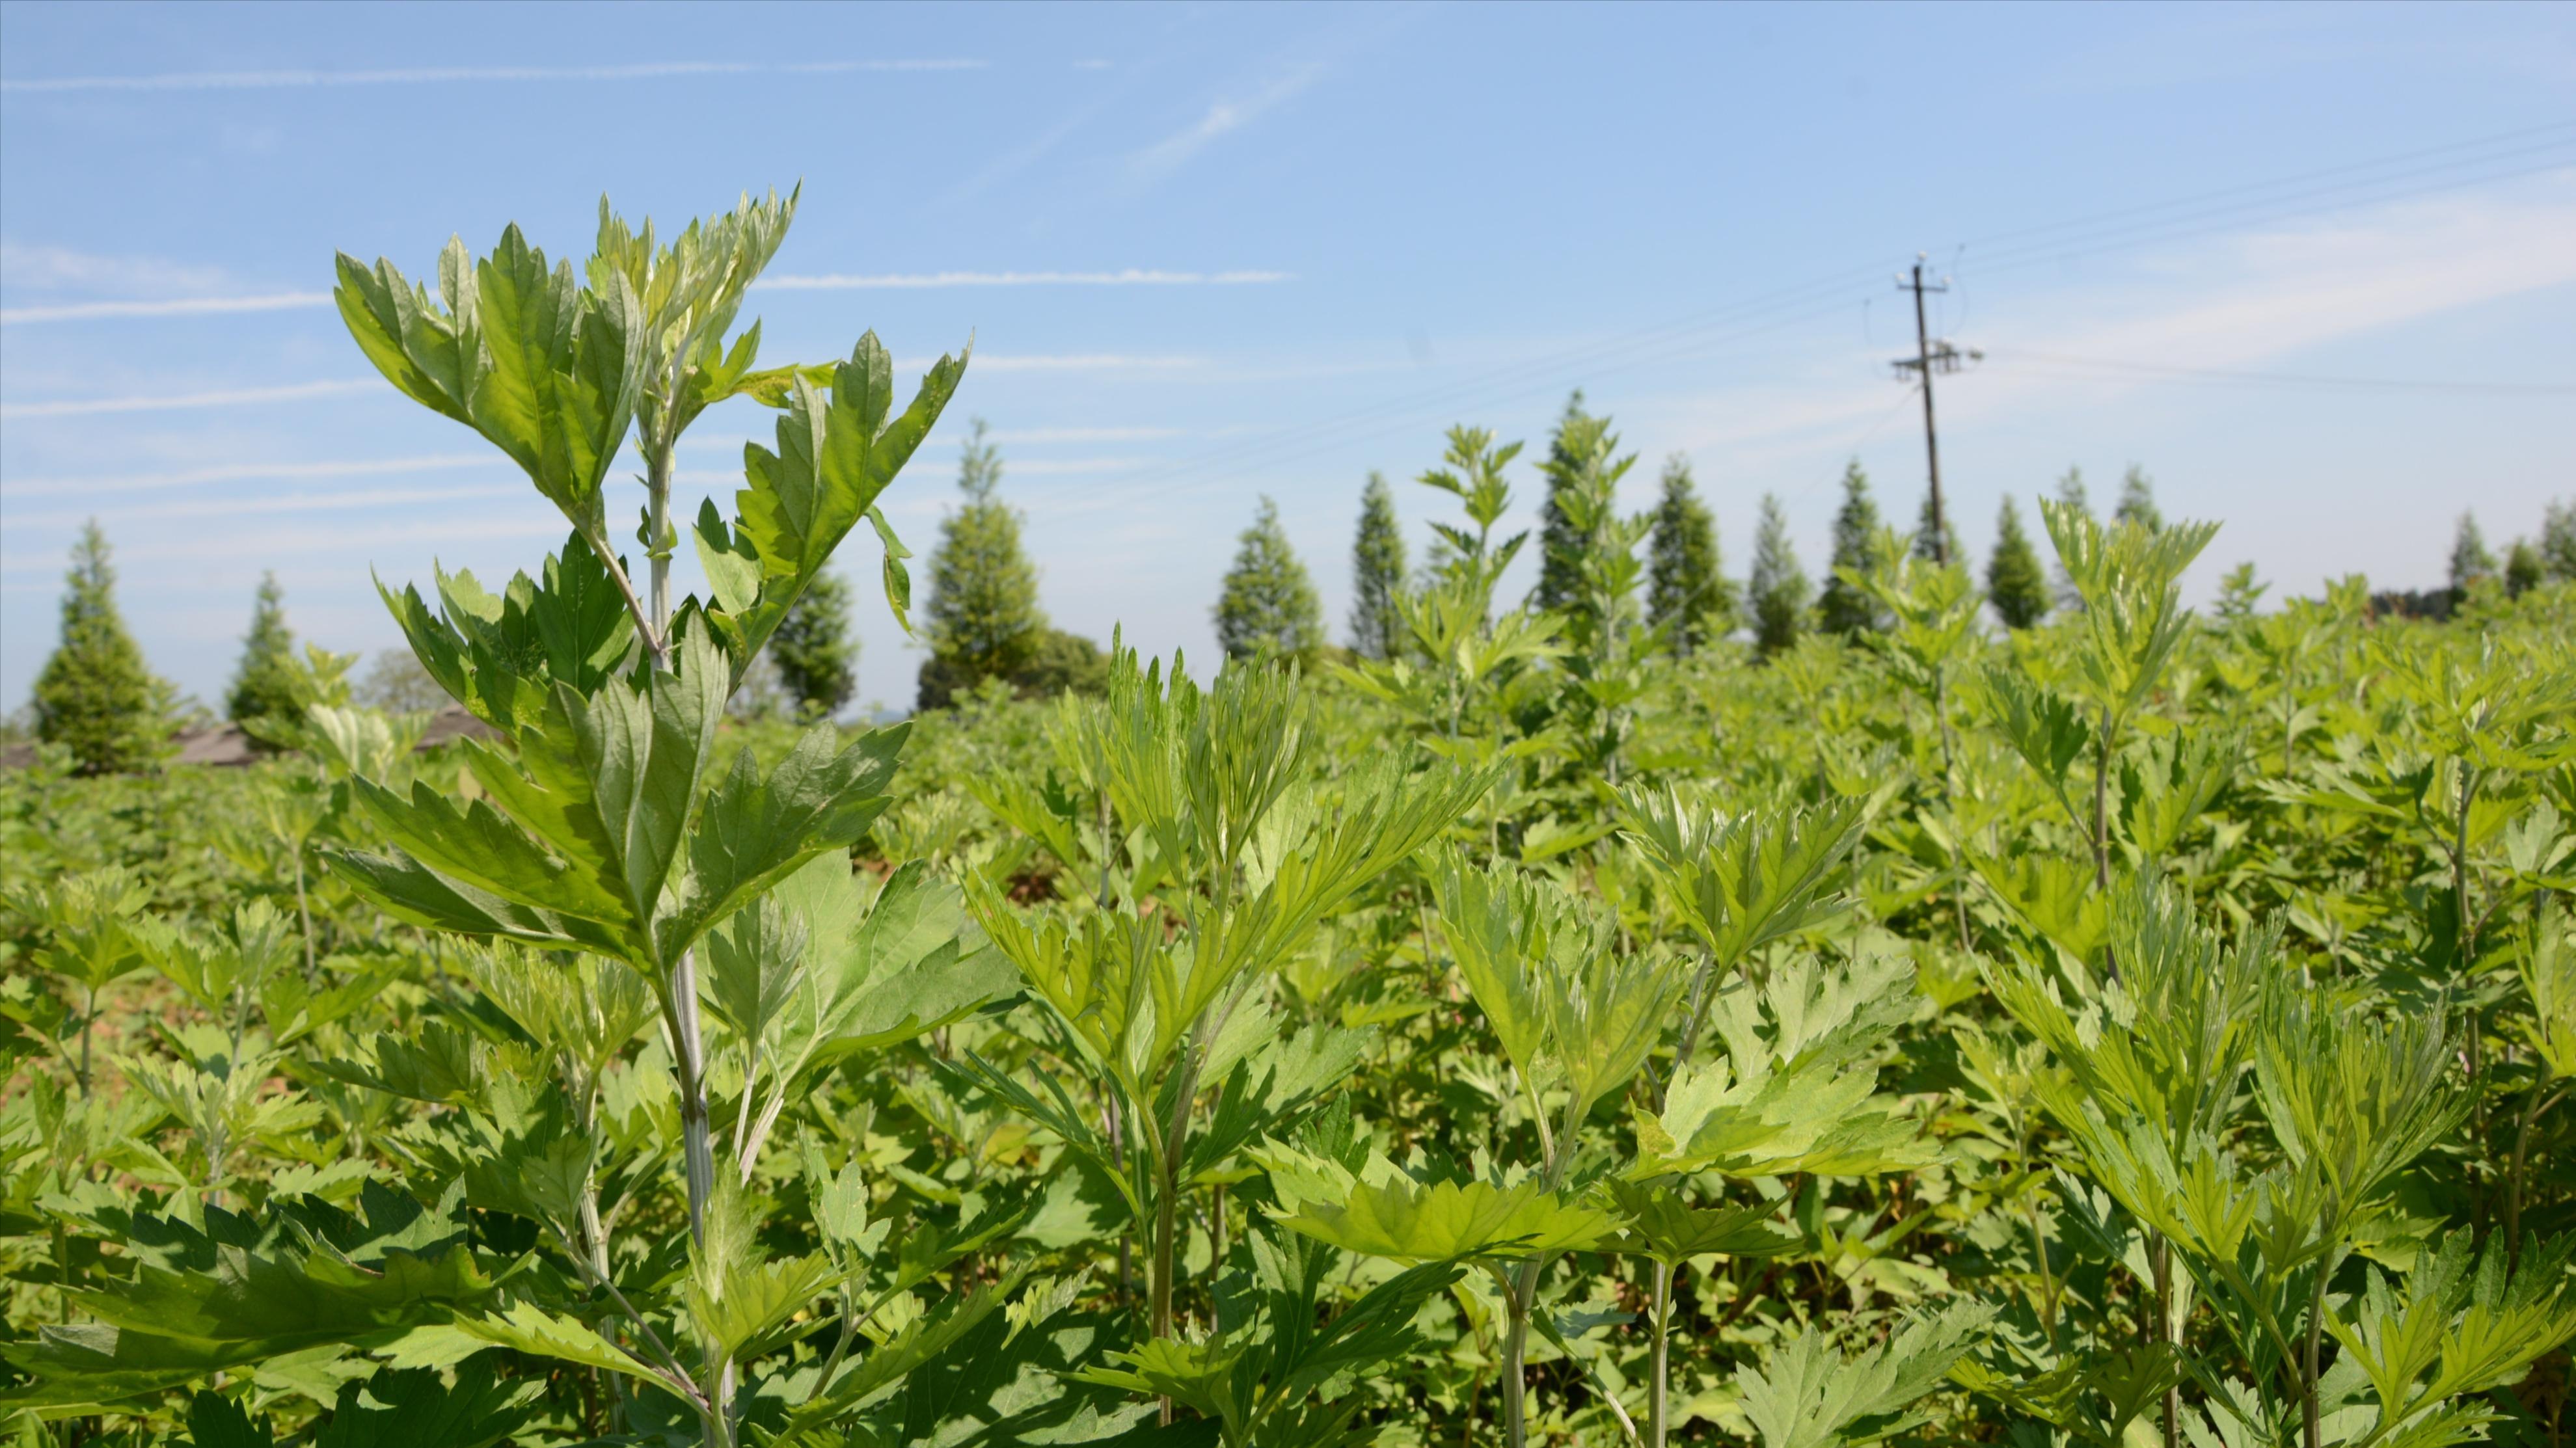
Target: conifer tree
[(264, 682), (983, 616), (1842, 608), (1777, 590), (95, 695), (2070, 493), (1949, 537), (2470, 558), (1268, 600), (1560, 579), (2558, 541), (2014, 582), (1377, 575), (813, 650), (1687, 591), (2138, 501), (2522, 570)]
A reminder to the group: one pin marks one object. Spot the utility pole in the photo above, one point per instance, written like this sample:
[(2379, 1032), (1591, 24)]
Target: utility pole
[(1930, 357)]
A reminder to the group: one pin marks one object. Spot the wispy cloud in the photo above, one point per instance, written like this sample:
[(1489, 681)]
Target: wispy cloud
[(1130, 277), (1032, 436), (164, 307), (1071, 434), (890, 281), (1051, 467), (433, 75), (407, 537), (1174, 151), (1080, 362), (308, 391), (61, 269), (2255, 299), (54, 487), (290, 503), (236, 397)]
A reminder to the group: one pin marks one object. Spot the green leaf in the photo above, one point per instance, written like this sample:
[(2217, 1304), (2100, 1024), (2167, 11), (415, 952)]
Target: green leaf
[(754, 832), (836, 453), (1810, 1396), (215, 1421), (525, 1327), (1451, 1221), (1743, 881), (1657, 1223), (418, 1408), (546, 371)]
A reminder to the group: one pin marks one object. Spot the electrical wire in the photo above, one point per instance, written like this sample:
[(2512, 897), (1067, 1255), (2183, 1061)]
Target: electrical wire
[(2096, 368), (2174, 219)]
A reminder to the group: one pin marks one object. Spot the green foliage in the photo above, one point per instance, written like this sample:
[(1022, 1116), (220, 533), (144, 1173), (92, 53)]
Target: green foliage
[(816, 655), (1925, 531), (2558, 540), (983, 616), (2140, 1028), (2138, 501), (1377, 575), (1688, 594), (95, 696), (2014, 583), (1560, 543), (264, 683), (1777, 590), (1845, 607), (1268, 605), (2523, 571), (2471, 559)]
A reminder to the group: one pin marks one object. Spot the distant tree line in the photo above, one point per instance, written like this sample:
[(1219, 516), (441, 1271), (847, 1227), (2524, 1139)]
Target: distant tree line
[(985, 628)]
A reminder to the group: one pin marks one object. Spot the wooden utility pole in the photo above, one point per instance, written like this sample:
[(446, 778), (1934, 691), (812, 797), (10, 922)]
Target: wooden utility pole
[(1929, 357)]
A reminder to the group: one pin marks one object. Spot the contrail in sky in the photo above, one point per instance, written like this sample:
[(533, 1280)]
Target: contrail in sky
[(431, 75)]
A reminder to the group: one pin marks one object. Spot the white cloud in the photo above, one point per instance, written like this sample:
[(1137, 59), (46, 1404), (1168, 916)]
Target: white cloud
[(1176, 150), (48, 487), (890, 281), (165, 307), (1130, 277), (2271, 294), (1077, 362), (288, 503), (237, 397), (1050, 467), (61, 269), (407, 537), (1070, 434), (430, 75)]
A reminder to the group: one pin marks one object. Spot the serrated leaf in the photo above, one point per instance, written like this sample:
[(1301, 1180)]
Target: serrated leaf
[(1452, 1221)]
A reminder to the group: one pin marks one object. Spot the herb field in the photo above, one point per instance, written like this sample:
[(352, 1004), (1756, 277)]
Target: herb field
[(2142, 1028)]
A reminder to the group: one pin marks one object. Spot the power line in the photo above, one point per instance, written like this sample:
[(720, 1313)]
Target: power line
[(1926, 361), (2560, 129), (2174, 219), (2152, 371)]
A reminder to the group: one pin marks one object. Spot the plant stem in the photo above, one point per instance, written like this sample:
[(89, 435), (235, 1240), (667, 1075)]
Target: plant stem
[(89, 1014), (2101, 825), (689, 1063), (1516, 1304), (1656, 1383), (304, 913), (2531, 1110), (2308, 1369), (2163, 1264)]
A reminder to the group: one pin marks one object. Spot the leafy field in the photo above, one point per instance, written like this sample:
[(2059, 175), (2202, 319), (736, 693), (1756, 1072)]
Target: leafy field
[(2142, 1028)]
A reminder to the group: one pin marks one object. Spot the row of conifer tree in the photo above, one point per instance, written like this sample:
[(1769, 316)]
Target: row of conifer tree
[(984, 624)]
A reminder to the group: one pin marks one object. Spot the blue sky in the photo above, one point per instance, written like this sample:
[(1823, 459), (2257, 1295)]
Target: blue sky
[(2313, 267)]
